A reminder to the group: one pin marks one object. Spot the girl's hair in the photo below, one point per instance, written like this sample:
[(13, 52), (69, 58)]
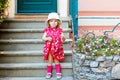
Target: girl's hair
[(58, 25)]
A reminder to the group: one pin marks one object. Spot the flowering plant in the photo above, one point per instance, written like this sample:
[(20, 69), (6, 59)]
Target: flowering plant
[(102, 45), (3, 6)]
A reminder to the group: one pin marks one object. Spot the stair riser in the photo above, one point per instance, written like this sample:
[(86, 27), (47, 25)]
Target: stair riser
[(28, 47), (35, 78), (32, 72), (28, 59), (28, 25), (25, 35)]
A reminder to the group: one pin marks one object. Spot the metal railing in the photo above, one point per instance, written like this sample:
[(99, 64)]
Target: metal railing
[(105, 32), (112, 29)]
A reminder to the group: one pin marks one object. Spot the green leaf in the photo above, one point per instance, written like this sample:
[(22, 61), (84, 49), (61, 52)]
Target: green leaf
[(1, 20)]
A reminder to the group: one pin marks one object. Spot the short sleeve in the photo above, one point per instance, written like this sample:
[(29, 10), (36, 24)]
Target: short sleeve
[(61, 30), (45, 30)]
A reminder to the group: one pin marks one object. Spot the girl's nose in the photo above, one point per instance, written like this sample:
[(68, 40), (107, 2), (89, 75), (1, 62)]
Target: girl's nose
[(53, 20)]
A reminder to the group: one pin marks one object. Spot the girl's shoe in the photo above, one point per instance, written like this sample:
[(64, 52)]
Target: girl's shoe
[(48, 76), (58, 75)]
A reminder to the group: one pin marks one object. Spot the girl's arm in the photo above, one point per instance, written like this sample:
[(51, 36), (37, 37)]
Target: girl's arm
[(63, 37), (44, 38)]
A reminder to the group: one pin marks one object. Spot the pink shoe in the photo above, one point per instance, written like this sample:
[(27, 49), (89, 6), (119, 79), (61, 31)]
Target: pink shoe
[(58, 75), (48, 76)]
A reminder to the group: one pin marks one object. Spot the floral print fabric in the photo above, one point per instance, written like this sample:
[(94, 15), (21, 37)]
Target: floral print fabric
[(54, 47)]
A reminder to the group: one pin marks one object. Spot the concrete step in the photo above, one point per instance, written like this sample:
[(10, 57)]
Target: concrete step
[(26, 44), (28, 56), (25, 23), (35, 78), (26, 33), (31, 16), (31, 69), (27, 41)]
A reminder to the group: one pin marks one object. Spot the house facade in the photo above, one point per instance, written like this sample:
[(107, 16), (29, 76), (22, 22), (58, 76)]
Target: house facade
[(21, 38), (65, 8), (18, 6), (21, 43), (89, 16), (99, 16)]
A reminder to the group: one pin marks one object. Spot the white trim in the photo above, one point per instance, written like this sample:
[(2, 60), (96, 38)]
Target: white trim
[(11, 9), (61, 4), (99, 17), (62, 7), (98, 20)]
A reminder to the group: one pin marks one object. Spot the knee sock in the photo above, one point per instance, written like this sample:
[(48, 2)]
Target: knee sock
[(58, 68), (49, 69)]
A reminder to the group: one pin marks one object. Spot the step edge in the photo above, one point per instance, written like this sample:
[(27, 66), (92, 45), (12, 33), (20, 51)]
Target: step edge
[(15, 66), (27, 40), (28, 53), (29, 30), (34, 78), (32, 19)]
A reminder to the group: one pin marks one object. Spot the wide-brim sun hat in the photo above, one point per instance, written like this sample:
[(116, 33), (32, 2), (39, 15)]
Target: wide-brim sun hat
[(53, 15)]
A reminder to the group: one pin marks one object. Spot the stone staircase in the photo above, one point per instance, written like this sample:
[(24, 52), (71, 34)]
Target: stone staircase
[(21, 56)]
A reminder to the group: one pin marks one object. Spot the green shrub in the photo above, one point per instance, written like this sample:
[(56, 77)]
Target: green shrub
[(3, 5)]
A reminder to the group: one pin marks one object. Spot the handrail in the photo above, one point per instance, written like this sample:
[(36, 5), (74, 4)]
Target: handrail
[(112, 29), (71, 24)]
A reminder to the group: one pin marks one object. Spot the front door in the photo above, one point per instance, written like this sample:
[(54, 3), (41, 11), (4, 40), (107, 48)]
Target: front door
[(36, 6)]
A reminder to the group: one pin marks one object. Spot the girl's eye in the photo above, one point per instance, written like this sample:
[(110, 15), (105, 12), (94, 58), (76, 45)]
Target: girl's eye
[(55, 21)]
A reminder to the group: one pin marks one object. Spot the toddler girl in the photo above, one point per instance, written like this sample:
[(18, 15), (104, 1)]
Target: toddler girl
[(53, 49)]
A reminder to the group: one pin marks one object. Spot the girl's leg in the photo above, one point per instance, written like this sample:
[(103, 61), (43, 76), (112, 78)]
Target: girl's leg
[(58, 69), (50, 60), (49, 67)]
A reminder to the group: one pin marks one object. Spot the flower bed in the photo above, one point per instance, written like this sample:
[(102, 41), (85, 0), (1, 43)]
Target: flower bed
[(95, 56), (102, 45)]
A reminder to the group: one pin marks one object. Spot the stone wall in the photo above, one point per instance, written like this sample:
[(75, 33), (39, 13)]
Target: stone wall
[(95, 68)]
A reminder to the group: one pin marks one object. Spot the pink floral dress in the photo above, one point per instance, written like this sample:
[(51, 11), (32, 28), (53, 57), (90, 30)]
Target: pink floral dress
[(55, 47)]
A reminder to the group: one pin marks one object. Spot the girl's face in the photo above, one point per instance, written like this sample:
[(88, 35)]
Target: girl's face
[(53, 23)]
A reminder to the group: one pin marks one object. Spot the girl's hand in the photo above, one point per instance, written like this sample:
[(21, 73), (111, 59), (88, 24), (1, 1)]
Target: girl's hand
[(45, 38), (62, 37), (49, 38)]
